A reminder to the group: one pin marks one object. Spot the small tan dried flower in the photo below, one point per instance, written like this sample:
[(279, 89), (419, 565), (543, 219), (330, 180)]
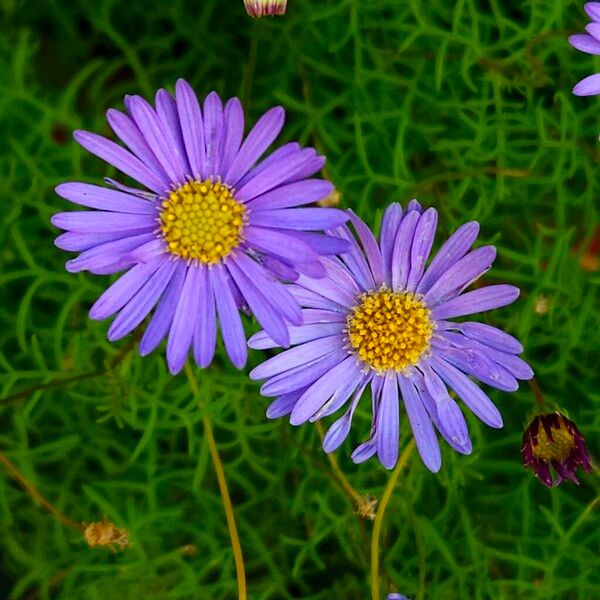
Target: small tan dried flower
[(367, 507), (104, 533)]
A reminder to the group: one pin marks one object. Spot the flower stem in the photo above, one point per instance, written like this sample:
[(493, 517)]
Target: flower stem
[(537, 392), (37, 496), (387, 494), (335, 467), (214, 452)]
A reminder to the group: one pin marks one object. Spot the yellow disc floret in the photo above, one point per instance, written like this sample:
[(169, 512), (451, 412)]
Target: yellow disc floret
[(558, 448), (201, 220), (389, 330)]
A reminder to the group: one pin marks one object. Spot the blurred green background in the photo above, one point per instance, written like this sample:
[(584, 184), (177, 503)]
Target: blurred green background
[(464, 104)]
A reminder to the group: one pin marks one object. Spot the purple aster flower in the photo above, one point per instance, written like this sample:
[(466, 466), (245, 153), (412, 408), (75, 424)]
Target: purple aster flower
[(395, 596), (589, 42), (553, 440), (213, 232), (262, 8), (381, 319)]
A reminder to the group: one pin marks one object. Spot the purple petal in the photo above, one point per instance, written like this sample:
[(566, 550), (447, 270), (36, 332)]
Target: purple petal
[(414, 205), (273, 290), (311, 299), (163, 315), (446, 413), (364, 451), (491, 336), (127, 131), (277, 174), (281, 269), (462, 355), (344, 391), (76, 242), (460, 275), (283, 405), (420, 423), (585, 43), (302, 375), (132, 191), (354, 259), (482, 299), (261, 136), (166, 110), (321, 390), (213, 133), (453, 249), (292, 194), (232, 330), (122, 290), (339, 430), (370, 247), (593, 10), (205, 336), (95, 196), (158, 137), (233, 130), (594, 30), (95, 221), (403, 250), (298, 335), (111, 254), (284, 152), (392, 217), (313, 268), (121, 159), (423, 241), (148, 251), (299, 218), (192, 127), (589, 86), (320, 243), (266, 313), (468, 392), (294, 357), (184, 321), (337, 287), (138, 308), (513, 364), (278, 243), (388, 422)]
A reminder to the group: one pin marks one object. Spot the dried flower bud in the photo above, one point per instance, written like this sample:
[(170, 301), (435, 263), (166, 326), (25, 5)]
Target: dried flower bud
[(367, 507), (553, 440), (264, 8), (104, 533)]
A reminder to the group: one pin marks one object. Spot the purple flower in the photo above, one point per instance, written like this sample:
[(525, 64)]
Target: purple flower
[(589, 42), (553, 440), (213, 232), (262, 8), (396, 596), (381, 319)]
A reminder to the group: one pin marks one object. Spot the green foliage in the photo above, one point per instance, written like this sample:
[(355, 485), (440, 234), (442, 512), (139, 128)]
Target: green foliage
[(466, 105)]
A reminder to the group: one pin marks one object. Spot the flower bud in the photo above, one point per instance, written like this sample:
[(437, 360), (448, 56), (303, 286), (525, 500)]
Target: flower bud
[(552, 440), (265, 8)]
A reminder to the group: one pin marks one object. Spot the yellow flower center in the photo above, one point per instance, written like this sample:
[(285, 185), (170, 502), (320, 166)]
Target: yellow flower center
[(201, 220), (389, 330), (558, 449)]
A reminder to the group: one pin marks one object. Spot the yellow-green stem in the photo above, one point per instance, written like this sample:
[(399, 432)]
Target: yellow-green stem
[(387, 494), (214, 452)]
